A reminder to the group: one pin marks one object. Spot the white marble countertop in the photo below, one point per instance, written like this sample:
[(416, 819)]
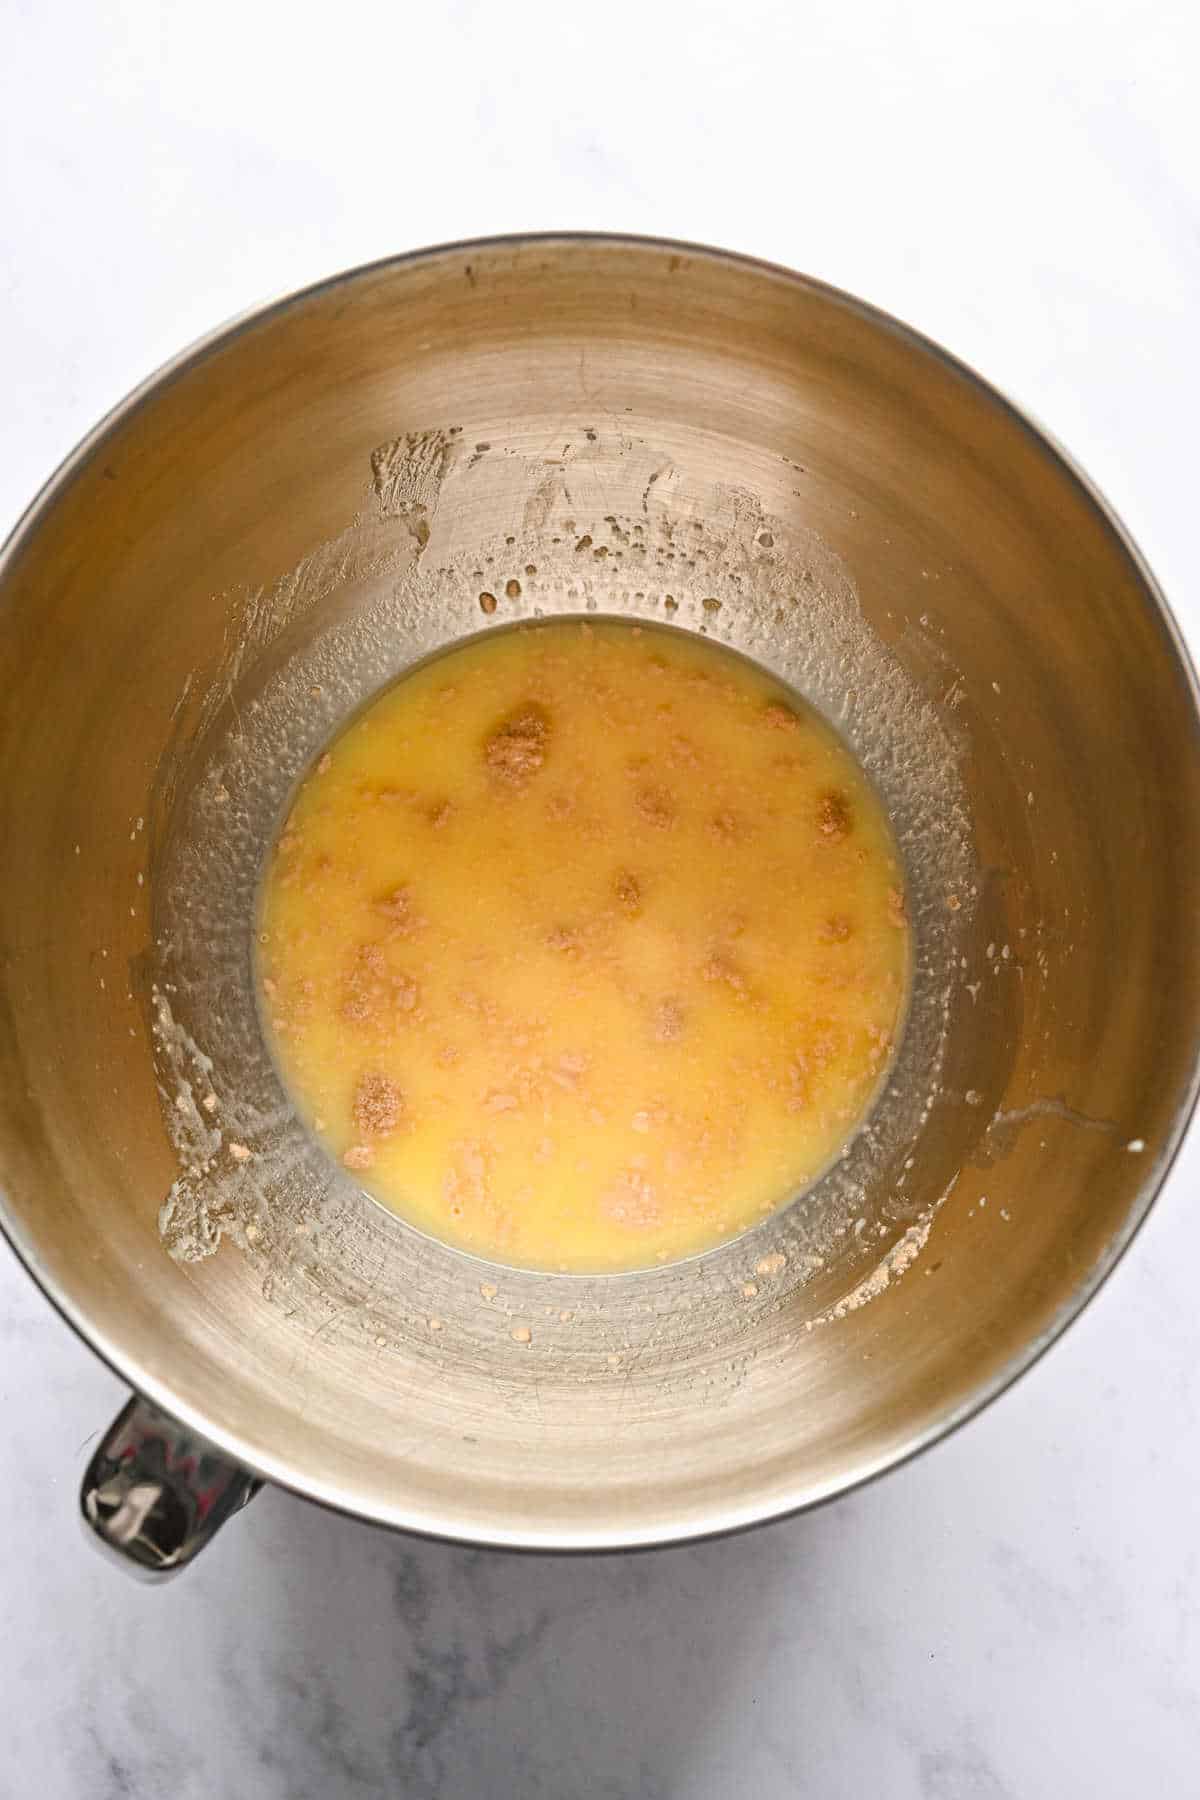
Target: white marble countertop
[(1017, 1614)]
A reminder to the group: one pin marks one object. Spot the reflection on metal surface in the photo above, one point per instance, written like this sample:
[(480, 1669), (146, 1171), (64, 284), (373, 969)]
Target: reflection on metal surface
[(155, 1495), (430, 447)]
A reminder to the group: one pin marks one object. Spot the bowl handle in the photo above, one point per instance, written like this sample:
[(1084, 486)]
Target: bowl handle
[(155, 1493)]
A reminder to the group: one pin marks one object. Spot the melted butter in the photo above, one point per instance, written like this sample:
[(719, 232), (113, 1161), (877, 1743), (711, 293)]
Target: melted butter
[(584, 946)]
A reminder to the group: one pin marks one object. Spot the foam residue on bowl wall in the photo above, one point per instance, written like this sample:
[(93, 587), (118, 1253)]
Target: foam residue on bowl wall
[(463, 531)]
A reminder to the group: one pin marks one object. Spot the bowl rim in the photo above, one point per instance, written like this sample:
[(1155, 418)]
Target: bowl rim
[(730, 1519)]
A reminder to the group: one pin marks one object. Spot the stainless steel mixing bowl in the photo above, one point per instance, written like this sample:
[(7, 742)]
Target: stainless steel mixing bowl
[(318, 495)]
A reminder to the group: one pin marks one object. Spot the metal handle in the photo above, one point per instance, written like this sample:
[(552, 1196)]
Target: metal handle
[(154, 1493)]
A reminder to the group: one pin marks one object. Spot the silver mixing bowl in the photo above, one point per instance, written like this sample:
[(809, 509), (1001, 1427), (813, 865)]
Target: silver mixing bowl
[(314, 498)]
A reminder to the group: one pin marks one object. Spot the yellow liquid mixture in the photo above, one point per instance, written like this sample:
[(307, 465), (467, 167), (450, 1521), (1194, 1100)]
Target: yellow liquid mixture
[(584, 946)]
